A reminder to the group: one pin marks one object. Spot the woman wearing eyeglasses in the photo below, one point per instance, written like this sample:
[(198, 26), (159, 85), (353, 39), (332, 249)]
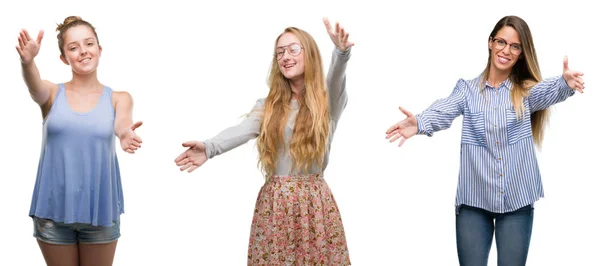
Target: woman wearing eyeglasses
[(296, 219), (504, 113)]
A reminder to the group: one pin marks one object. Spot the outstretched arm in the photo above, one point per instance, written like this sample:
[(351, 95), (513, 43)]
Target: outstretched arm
[(199, 152), (336, 76), (124, 127), (556, 89), (438, 116), (28, 48)]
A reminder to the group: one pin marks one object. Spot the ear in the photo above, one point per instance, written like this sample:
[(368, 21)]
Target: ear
[(100, 50), (490, 42), (62, 58)]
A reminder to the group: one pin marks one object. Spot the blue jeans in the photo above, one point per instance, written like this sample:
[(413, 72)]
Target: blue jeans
[(475, 228)]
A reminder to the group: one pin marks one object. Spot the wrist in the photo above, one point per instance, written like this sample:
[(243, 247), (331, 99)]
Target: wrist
[(26, 63), (122, 133)]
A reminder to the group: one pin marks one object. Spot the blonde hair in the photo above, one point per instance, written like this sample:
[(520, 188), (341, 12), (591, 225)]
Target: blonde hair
[(524, 74), (311, 129)]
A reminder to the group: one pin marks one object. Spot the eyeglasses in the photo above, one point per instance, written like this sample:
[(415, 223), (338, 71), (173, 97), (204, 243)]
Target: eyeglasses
[(293, 49), (515, 48)]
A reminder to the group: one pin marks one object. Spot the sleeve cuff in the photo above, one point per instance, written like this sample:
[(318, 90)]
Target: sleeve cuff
[(343, 53), (208, 149), (422, 126)]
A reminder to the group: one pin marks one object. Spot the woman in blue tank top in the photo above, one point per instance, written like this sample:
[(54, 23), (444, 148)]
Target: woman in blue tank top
[(78, 198)]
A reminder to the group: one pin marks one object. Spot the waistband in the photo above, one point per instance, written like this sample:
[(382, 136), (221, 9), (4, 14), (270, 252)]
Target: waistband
[(295, 178)]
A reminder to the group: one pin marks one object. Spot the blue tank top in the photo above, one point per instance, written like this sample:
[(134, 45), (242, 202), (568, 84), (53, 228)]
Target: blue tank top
[(78, 178)]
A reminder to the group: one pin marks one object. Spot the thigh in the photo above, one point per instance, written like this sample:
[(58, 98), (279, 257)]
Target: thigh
[(474, 233), (97, 254), (513, 233), (97, 244), (59, 254)]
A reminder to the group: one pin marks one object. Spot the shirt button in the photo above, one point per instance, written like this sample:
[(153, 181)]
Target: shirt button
[(499, 158), (500, 174), (497, 142)]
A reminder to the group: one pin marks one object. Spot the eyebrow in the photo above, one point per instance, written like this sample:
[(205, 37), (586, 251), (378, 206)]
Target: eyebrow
[(287, 45), (89, 38)]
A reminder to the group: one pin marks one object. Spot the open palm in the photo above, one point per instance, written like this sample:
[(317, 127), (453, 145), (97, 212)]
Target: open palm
[(572, 77), (338, 36), (404, 129), (130, 141), (28, 48), (193, 157)]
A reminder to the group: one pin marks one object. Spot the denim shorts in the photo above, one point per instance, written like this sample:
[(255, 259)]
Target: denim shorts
[(64, 234)]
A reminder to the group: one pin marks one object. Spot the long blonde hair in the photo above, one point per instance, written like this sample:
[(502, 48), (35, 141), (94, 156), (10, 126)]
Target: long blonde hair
[(524, 74), (311, 129)]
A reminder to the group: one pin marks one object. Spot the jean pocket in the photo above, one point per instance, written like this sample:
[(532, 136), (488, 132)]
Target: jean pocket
[(474, 129)]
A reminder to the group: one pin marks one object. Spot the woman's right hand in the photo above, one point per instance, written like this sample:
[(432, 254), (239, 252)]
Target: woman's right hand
[(28, 48), (193, 157), (404, 129)]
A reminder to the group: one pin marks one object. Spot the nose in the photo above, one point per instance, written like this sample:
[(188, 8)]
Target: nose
[(506, 49), (83, 50), (286, 55)]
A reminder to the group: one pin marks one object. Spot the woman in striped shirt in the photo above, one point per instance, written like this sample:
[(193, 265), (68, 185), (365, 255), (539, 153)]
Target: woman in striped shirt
[(504, 113)]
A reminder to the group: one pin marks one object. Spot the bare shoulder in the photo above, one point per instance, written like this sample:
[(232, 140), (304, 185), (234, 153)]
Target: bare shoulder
[(122, 98), (53, 87)]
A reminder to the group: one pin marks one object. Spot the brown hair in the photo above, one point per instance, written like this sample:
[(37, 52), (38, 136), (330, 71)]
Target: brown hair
[(68, 23), (524, 74), (311, 129)]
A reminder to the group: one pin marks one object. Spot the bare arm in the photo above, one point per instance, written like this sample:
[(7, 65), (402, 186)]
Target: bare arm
[(124, 126), (39, 90)]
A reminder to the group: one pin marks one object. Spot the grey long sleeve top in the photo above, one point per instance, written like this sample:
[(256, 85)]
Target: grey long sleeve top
[(249, 128)]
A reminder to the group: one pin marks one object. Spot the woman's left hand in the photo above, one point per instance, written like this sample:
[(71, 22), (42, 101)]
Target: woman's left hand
[(338, 35), (572, 77), (130, 141)]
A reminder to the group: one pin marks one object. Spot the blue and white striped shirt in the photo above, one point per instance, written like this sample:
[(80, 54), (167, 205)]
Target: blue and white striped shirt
[(498, 165)]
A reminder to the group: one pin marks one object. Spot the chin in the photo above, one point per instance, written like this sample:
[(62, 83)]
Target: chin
[(289, 75), (84, 71)]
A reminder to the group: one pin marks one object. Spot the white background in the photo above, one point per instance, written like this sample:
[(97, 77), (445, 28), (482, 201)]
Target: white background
[(195, 70)]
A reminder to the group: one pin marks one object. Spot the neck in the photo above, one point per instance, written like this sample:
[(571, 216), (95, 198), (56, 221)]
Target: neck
[(497, 76), (86, 82), (297, 88)]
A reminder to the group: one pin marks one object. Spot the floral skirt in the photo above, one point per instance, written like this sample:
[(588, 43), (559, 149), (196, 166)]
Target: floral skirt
[(297, 222)]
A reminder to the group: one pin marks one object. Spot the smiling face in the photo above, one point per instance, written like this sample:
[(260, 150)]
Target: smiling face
[(290, 56), (505, 49), (81, 49)]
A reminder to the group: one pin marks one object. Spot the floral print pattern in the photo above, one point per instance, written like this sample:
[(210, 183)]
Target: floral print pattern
[(297, 222)]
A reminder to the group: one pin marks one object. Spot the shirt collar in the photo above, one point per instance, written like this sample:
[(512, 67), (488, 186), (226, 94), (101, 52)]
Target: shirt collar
[(506, 84)]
